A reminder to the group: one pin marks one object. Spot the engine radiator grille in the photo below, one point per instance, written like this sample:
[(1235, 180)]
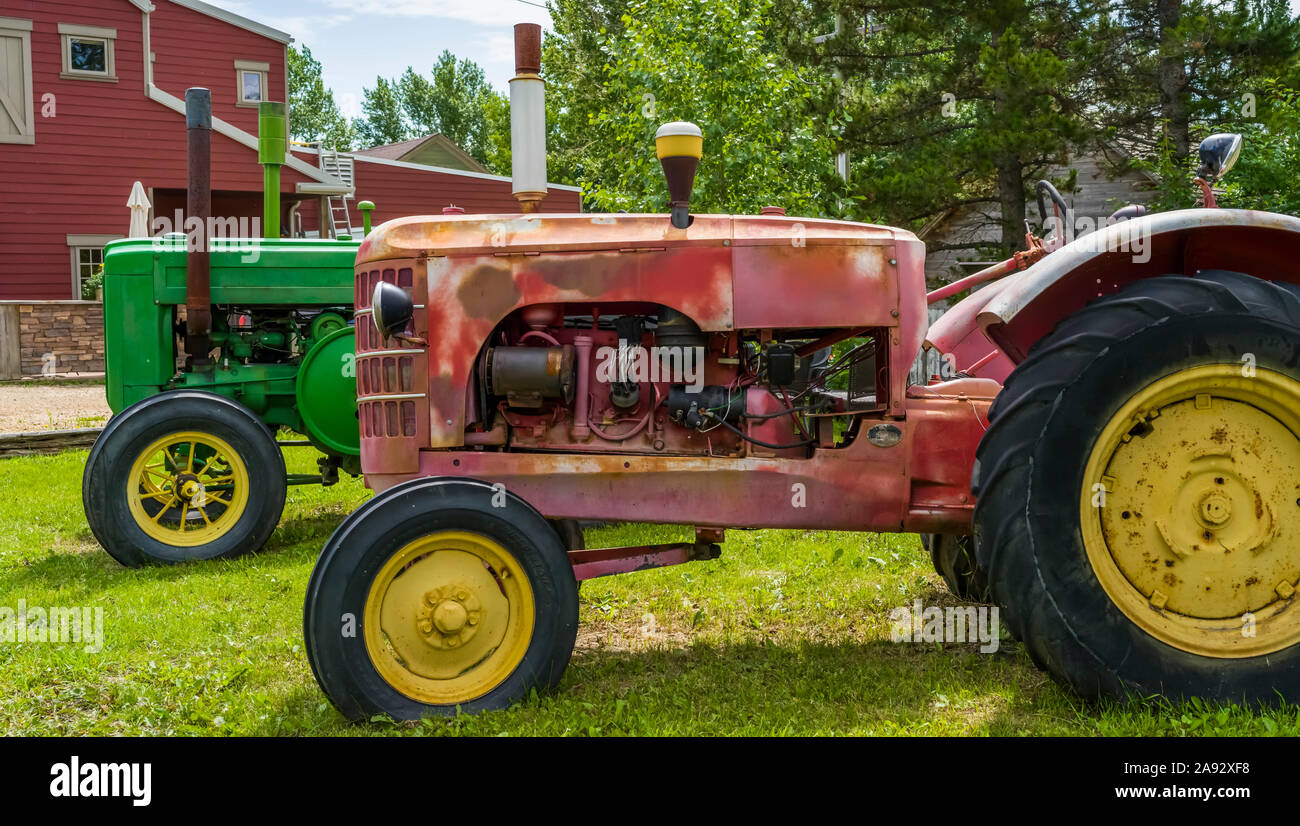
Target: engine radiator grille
[(392, 376)]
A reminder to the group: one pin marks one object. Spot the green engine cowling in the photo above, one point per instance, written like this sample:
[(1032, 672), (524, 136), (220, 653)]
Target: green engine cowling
[(281, 329)]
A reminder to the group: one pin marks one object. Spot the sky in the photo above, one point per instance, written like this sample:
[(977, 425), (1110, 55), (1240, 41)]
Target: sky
[(357, 40)]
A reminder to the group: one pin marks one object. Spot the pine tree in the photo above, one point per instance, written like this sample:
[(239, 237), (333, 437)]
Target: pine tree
[(951, 104)]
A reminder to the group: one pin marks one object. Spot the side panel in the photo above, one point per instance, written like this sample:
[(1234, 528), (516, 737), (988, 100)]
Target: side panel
[(860, 488), (822, 285), (255, 271), (139, 350)]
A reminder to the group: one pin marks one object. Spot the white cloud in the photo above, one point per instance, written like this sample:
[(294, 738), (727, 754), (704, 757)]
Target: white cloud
[(480, 12), (497, 48), (304, 28), (349, 104)]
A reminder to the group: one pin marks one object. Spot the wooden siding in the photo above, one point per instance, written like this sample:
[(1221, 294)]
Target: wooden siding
[(103, 136), (193, 49)]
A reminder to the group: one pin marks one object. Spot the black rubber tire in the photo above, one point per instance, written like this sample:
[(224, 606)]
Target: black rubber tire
[(953, 556), (104, 494), (1030, 464), (357, 551)]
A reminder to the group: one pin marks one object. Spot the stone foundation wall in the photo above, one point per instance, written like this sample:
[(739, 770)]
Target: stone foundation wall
[(54, 337)]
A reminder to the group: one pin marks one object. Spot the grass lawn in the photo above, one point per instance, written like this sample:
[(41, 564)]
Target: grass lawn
[(787, 633)]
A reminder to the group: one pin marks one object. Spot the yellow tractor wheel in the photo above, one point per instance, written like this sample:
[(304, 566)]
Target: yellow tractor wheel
[(183, 476), (429, 599), (1139, 492)]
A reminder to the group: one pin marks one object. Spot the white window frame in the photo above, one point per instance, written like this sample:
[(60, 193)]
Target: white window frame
[(77, 243), (69, 32), (21, 29), (243, 67)]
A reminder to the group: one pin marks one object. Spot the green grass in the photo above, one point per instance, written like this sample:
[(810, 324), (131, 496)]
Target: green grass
[(787, 633)]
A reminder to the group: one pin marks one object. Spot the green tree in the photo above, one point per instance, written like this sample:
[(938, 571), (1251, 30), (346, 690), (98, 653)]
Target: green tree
[(382, 119), (313, 114), (964, 103), (454, 99), (1157, 68), (610, 88), (949, 104), (457, 101), (1266, 175), (496, 145)]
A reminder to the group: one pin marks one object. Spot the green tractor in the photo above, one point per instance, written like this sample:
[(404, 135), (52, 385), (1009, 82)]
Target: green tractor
[(212, 348)]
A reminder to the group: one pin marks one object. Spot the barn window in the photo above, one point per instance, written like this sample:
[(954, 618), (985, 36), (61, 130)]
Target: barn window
[(16, 123), (88, 52), (250, 81), (87, 261)]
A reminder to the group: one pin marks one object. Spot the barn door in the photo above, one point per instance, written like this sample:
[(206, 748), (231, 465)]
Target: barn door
[(16, 123)]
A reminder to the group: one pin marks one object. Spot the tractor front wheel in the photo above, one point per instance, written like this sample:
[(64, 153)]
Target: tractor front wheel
[(953, 556), (1139, 493), (183, 476), (434, 597)]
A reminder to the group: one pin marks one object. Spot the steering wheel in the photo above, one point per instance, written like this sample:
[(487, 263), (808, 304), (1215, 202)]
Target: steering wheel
[(1044, 189)]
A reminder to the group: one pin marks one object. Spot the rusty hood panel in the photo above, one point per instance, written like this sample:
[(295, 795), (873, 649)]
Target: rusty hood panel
[(436, 235)]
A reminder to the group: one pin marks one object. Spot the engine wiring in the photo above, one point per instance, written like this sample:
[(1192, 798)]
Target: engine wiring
[(759, 442)]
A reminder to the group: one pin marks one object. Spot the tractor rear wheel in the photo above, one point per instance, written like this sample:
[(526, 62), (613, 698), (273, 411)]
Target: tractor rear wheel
[(1139, 492), (183, 476), (429, 599)]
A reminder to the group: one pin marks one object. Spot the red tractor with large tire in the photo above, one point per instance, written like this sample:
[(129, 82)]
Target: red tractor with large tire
[(1120, 435)]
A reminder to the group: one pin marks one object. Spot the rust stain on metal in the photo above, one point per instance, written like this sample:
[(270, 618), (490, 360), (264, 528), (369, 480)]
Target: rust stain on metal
[(488, 292)]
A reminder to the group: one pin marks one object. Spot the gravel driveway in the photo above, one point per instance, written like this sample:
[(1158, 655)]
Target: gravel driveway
[(51, 407)]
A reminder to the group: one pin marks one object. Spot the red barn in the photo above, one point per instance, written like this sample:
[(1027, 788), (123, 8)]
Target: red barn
[(91, 100)]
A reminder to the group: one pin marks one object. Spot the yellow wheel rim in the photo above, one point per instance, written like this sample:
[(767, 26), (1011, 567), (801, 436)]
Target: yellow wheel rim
[(1190, 510), (187, 489), (449, 617)]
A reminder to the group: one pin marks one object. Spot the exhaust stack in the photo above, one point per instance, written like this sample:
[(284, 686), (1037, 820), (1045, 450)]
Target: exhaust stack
[(528, 119), (198, 205), (272, 143)]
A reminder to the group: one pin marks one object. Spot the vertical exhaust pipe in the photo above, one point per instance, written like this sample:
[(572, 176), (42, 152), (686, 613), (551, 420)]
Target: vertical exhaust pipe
[(528, 119), (272, 146), (198, 205)]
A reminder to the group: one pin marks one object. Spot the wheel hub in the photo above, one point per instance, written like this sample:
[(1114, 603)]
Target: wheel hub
[(189, 486), (449, 616), (1200, 474), (1215, 509), (1225, 503), (187, 489)]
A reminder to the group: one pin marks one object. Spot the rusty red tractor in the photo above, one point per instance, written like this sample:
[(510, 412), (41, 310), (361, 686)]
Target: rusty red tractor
[(1120, 437)]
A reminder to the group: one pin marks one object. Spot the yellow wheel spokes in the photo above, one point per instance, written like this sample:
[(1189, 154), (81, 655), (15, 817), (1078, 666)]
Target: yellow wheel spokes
[(177, 504), (1191, 510), (449, 617)]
